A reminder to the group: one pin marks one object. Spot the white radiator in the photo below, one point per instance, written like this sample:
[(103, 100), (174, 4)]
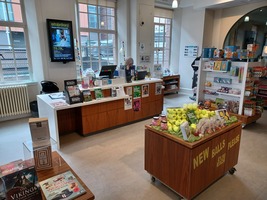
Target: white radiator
[(14, 100)]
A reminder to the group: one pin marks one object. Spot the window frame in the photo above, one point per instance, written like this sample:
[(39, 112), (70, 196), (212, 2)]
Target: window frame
[(97, 31), (162, 49), (22, 25)]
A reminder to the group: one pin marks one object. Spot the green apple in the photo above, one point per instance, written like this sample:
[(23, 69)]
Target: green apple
[(175, 128), (178, 122)]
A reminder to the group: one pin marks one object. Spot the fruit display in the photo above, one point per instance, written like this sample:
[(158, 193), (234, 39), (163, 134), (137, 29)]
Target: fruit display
[(200, 121)]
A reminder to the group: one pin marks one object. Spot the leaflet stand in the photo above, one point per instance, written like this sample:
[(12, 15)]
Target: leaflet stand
[(72, 92)]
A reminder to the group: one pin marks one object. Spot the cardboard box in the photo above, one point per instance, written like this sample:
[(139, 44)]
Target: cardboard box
[(43, 158), (21, 183)]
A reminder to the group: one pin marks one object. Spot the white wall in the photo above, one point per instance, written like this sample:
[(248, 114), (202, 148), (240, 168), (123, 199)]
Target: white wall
[(37, 11), (192, 27), (224, 19)]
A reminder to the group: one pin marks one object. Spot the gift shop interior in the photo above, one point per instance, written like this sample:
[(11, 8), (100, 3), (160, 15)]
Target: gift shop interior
[(118, 99)]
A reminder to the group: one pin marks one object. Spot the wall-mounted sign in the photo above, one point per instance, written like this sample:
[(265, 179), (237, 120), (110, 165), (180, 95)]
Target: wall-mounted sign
[(191, 51)]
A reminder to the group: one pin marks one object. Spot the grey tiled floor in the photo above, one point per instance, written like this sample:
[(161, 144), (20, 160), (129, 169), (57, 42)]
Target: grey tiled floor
[(111, 163)]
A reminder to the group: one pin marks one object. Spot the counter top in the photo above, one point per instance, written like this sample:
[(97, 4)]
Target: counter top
[(57, 100), (140, 82)]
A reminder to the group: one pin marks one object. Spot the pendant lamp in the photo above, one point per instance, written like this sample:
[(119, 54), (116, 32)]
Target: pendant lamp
[(175, 4)]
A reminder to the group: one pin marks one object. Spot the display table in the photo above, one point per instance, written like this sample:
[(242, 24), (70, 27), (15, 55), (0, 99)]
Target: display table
[(60, 166), (189, 168), (101, 114)]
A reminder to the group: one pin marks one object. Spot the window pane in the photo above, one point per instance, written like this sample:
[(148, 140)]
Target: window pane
[(93, 37), (93, 21), (83, 20), (15, 1), (110, 11), (102, 22), (3, 12), (82, 7), (92, 9), (14, 12), (18, 38), (156, 20), (102, 10), (110, 23), (162, 20)]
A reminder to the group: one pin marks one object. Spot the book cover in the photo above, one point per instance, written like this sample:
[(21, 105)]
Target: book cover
[(217, 65), (62, 186), (87, 95), (21, 185), (224, 66), (98, 93), (11, 167)]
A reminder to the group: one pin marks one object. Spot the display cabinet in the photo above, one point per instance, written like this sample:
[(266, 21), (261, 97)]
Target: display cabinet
[(171, 84), (262, 93), (231, 85), (189, 168)]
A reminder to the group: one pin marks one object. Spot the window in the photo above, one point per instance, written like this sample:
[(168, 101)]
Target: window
[(14, 65), (162, 37), (97, 27)]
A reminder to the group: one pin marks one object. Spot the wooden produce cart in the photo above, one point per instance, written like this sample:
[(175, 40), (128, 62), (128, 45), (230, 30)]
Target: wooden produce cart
[(247, 119), (189, 168)]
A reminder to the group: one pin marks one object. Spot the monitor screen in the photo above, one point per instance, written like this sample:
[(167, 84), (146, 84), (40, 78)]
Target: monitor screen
[(60, 37), (108, 70)]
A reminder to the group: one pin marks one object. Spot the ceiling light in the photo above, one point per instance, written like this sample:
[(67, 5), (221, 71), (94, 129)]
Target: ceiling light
[(246, 19), (175, 4)]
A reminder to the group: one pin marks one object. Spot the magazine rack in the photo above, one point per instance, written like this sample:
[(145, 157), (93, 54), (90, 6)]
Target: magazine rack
[(72, 92)]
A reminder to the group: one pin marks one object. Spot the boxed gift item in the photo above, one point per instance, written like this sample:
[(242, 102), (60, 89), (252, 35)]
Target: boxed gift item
[(18, 180), (40, 144)]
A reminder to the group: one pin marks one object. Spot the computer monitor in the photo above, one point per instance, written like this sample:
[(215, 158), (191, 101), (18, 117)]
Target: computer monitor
[(108, 70)]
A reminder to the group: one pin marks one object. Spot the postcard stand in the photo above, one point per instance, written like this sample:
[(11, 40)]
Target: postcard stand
[(72, 92)]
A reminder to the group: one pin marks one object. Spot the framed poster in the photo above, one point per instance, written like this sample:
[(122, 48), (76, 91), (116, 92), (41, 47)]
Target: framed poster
[(137, 91), (145, 90), (137, 104), (158, 89), (128, 103), (129, 91)]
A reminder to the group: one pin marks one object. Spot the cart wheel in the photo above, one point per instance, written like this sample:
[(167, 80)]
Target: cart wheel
[(232, 171), (243, 125), (153, 179)]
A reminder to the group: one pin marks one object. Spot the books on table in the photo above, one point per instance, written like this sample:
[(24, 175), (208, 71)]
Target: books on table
[(62, 186)]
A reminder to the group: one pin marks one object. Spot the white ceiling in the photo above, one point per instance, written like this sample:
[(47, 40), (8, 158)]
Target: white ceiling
[(214, 4)]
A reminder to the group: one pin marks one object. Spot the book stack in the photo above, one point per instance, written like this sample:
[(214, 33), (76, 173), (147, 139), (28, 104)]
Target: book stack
[(41, 145)]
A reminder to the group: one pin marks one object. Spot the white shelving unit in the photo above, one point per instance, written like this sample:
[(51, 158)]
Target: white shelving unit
[(208, 75)]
